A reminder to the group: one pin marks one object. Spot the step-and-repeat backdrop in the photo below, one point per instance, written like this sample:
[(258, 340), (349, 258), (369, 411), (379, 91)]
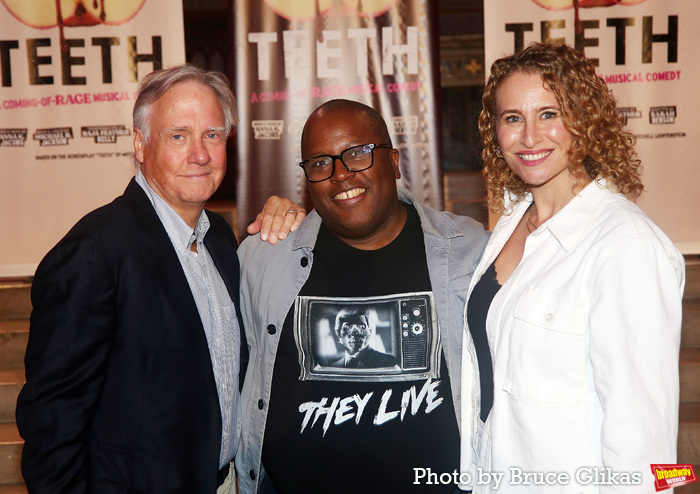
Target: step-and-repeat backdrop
[(69, 70), (647, 51), (293, 55), (68, 73)]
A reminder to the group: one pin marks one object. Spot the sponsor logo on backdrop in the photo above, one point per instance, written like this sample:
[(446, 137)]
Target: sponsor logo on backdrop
[(57, 136), (405, 125), (629, 112), (12, 138), (662, 115), (104, 133), (266, 130)]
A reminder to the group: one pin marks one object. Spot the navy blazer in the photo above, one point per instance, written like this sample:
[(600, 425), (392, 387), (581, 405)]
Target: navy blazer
[(120, 393)]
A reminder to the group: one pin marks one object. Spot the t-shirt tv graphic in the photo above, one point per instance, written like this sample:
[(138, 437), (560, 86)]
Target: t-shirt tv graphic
[(389, 338), (386, 339)]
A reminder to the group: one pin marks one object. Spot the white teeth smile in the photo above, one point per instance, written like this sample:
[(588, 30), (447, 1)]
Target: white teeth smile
[(533, 157), (349, 194)]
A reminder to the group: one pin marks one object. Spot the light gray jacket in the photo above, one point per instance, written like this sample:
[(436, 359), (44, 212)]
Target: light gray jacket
[(272, 276)]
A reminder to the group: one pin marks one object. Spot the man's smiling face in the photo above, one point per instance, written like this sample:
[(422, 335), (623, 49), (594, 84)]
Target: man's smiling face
[(358, 207)]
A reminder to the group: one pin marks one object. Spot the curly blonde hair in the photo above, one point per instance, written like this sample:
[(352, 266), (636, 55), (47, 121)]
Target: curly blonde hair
[(600, 148)]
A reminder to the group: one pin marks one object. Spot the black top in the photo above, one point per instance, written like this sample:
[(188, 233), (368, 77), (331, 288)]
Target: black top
[(477, 310), (365, 434)]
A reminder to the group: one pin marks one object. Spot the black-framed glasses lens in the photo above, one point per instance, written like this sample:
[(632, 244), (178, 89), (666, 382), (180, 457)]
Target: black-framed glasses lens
[(355, 159)]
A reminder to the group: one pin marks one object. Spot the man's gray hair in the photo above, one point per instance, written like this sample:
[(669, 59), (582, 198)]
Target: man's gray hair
[(154, 85)]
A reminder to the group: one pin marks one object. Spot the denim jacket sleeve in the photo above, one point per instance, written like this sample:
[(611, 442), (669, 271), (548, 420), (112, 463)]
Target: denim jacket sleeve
[(271, 277)]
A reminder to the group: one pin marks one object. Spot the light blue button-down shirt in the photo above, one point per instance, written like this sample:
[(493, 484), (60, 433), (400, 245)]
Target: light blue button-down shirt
[(216, 310)]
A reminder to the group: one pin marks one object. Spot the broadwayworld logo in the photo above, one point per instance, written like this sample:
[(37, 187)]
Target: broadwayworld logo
[(667, 476)]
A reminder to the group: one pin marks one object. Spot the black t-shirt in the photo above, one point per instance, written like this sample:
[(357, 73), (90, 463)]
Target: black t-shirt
[(360, 392)]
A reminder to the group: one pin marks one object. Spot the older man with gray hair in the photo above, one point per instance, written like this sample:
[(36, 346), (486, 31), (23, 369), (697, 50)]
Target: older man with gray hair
[(136, 350)]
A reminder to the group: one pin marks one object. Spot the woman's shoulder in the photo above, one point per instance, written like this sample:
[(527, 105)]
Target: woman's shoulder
[(620, 217), (620, 222)]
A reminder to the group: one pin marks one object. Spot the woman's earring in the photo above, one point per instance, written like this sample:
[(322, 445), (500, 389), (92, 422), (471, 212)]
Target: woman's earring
[(499, 154)]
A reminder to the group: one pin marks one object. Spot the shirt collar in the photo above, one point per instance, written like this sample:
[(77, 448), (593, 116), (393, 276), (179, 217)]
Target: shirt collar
[(181, 234), (570, 223), (432, 222)]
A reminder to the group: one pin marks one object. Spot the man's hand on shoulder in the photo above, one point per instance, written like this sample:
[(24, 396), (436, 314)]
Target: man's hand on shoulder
[(278, 217)]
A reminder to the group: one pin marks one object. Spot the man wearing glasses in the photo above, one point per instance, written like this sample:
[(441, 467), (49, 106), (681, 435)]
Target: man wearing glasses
[(367, 243)]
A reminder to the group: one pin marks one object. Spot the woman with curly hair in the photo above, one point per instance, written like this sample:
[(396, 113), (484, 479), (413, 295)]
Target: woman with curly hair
[(577, 296)]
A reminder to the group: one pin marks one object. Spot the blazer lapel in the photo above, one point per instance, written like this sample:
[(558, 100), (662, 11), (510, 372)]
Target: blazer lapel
[(167, 270), (223, 253)]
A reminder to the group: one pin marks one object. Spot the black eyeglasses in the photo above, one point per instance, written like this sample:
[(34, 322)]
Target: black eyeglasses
[(355, 159)]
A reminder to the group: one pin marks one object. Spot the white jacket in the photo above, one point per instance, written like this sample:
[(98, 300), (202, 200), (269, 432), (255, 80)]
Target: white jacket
[(585, 338)]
